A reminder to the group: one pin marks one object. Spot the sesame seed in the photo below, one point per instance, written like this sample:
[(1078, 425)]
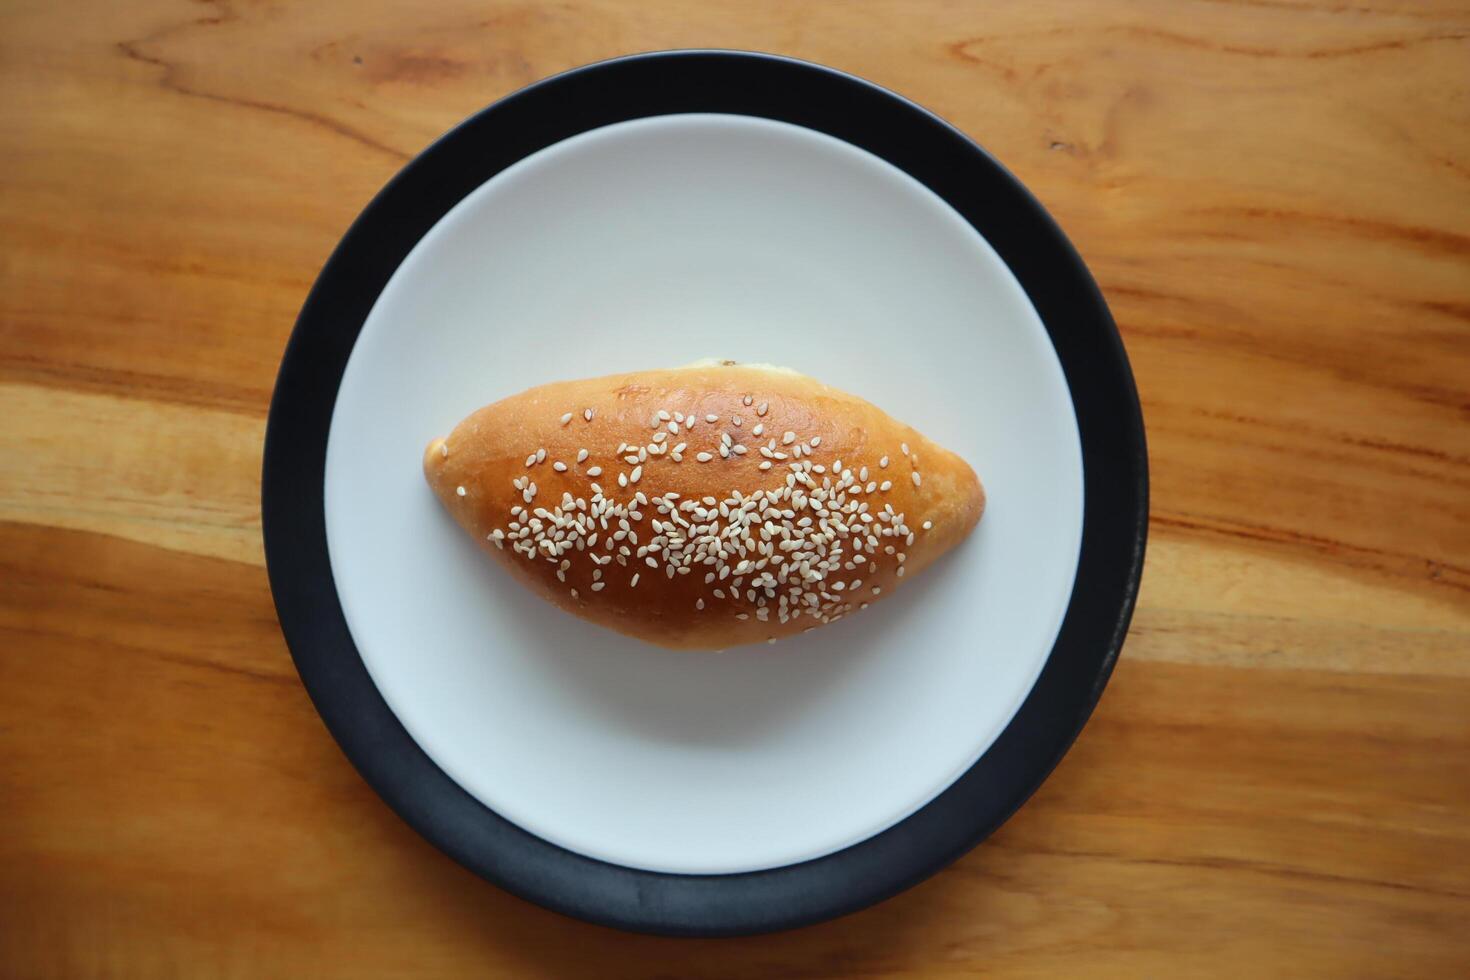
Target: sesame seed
[(574, 594), (886, 485), (594, 471), (711, 418), (459, 490), (566, 418), (918, 480), (582, 455), (587, 414), (883, 463), (622, 479), (598, 586), (698, 603), (704, 457), (877, 590), (674, 428), (738, 450), (662, 415), (766, 465), (444, 449), (631, 459), (761, 411), (634, 583), (735, 420), (816, 441), (771, 641), (530, 460), (787, 438), (742, 616), (905, 447), (559, 466), (900, 571), (760, 427), (636, 474)]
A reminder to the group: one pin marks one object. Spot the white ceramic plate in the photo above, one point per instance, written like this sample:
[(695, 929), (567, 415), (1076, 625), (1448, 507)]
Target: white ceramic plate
[(652, 243)]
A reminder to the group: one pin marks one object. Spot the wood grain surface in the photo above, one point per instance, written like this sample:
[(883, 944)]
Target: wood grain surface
[(1275, 197)]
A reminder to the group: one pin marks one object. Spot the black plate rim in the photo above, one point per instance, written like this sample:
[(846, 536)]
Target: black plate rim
[(1115, 474)]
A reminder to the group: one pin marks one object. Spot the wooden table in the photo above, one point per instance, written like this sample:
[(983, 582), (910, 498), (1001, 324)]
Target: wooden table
[(1275, 197)]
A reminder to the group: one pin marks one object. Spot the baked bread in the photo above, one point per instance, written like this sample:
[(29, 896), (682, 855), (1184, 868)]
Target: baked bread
[(703, 507)]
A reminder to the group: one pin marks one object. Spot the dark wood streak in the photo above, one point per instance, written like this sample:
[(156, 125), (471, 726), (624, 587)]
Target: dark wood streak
[(182, 389), (1251, 867), (1398, 563), (133, 50), (962, 48), (1333, 435), (1433, 239)]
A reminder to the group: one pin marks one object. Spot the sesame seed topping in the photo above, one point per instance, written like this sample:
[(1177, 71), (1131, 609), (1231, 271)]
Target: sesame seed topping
[(900, 571), (674, 428), (594, 471), (747, 400), (816, 441), (582, 455), (587, 414), (787, 438), (711, 418), (886, 485), (598, 586), (444, 449), (566, 418), (704, 457), (698, 603), (574, 594), (918, 480), (761, 411), (928, 525), (634, 583), (735, 420), (780, 549), (459, 490), (905, 447), (530, 460), (760, 427)]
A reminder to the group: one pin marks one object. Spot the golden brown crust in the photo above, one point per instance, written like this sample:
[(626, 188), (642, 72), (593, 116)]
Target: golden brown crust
[(488, 455)]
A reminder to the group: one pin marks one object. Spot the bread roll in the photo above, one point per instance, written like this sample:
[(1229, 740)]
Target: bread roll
[(703, 507)]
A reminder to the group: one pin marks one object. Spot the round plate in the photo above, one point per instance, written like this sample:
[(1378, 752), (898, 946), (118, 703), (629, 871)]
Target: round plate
[(647, 212)]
